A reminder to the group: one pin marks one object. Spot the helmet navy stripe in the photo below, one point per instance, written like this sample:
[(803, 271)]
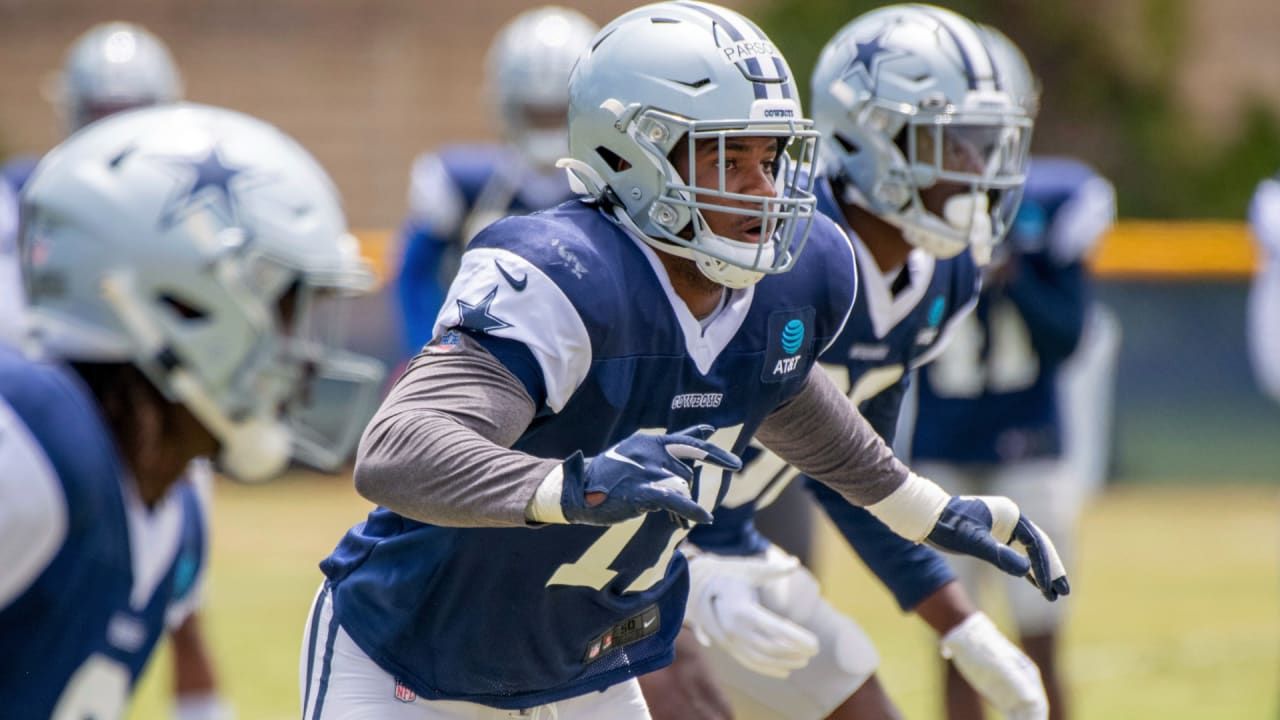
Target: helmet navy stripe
[(996, 75), (782, 73), (754, 71), (734, 34), (964, 54)]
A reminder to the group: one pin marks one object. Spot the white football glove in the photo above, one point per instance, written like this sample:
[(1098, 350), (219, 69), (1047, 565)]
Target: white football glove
[(996, 668), (725, 609)]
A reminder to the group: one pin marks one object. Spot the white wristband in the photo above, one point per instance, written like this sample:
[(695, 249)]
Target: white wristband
[(544, 506), (913, 509)]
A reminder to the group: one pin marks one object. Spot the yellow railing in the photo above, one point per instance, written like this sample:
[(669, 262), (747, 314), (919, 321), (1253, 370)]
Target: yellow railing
[(1135, 249), (1176, 250)]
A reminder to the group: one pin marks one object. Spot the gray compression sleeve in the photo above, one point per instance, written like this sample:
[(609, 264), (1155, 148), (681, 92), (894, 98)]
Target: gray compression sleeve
[(437, 449), (821, 433)]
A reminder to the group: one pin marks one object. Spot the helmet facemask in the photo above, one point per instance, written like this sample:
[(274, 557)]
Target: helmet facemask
[(949, 180), (675, 222), (967, 177), (337, 389)]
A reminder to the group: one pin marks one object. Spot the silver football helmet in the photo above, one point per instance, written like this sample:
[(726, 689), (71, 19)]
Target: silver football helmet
[(528, 79), (207, 248), (690, 71), (1015, 72), (112, 67), (920, 128)]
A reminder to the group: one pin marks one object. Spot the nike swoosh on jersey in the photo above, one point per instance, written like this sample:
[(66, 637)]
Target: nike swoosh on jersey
[(517, 285)]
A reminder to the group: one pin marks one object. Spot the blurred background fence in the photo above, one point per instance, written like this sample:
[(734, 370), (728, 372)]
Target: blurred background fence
[(1175, 100)]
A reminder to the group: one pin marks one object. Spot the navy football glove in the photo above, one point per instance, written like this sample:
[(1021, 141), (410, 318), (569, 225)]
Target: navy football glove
[(644, 473), (980, 526)]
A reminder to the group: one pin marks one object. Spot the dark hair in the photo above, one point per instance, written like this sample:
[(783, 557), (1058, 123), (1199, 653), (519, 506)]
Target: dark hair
[(129, 402)]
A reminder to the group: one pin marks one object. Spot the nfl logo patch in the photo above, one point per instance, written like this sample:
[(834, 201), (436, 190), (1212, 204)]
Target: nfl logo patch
[(404, 694), (446, 343)]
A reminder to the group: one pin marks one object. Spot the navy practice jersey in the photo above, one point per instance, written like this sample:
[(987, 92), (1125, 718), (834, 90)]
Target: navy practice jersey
[(454, 194), (897, 324), (991, 396), (584, 315), (89, 576)]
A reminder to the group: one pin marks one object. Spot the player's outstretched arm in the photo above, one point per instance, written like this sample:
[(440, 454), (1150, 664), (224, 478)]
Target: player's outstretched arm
[(984, 527), (438, 451), (821, 433)]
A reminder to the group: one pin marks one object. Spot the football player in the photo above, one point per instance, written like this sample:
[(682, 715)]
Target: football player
[(112, 67), (992, 417), (175, 258), (924, 153), (1264, 298), (457, 190), (537, 465)]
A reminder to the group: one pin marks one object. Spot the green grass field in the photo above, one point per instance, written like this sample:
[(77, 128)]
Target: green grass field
[(1175, 604)]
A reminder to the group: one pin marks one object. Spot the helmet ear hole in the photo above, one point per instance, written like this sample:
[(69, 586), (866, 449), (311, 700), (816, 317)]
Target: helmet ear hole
[(612, 160), (183, 308), (847, 145)]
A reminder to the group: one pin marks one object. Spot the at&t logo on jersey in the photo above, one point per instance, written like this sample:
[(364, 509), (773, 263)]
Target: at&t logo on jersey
[(790, 342), (792, 336)]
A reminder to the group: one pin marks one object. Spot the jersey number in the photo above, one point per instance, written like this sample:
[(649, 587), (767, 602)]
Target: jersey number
[(1011, 364), (97, 691)]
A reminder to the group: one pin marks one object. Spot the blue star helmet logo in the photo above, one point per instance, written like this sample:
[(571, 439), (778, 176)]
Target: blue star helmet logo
[(207, 182), (477, 317), (869, 56)]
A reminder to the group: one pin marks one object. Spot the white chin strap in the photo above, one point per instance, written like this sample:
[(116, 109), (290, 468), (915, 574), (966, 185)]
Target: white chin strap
[(965, 223), (256, 450), (737, 274), (730, 275)]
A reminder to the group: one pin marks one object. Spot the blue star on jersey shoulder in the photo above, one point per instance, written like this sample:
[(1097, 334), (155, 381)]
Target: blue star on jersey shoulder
[(207, 182), (478, 316)]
